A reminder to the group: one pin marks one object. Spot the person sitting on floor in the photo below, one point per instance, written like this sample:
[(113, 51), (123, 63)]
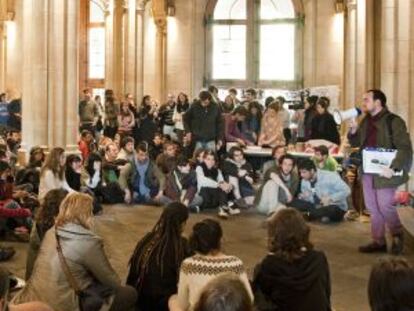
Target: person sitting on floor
[(391, 285), (166, 161), (31, 173), (44, 220), (73, 172), (155, 264), (224, 293), (5, 282), (181, 185), (323, 160), (12, 216), (156, 146), (323, 194), (293, 276), (111, 165), (52, 174), (73, 244), (207, 264), (279, 186), (78, 178), (127, 151), (141, 179), (239, 173), (213, 188), (198, 156), (233, 127), (277, 152), (85, 144)]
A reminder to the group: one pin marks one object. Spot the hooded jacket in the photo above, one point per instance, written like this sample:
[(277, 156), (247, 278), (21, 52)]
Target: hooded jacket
[(301, 285)]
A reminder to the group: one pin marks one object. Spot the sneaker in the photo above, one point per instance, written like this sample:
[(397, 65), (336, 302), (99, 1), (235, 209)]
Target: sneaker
[(373, 247), (397, 244), (233, 210), (195, 209), (6, 253), (325, 220), (241, 203), (223, 212)]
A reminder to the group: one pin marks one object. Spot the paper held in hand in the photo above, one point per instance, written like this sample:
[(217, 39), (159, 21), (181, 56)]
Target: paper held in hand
[(374, 160)]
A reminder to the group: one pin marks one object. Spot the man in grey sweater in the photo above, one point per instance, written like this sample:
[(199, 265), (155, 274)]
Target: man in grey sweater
[(88, 112)]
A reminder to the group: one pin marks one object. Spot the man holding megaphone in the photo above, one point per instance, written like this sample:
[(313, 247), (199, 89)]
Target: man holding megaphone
[(380, 128)]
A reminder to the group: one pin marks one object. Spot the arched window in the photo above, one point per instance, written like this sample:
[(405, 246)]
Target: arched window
[(253, 43), (96, 41), (92, 46)]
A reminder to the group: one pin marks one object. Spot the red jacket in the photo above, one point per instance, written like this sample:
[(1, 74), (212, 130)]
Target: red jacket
[(14, 213)]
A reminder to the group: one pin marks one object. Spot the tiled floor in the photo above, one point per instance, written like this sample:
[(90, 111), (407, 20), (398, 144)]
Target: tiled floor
[(121, 227)]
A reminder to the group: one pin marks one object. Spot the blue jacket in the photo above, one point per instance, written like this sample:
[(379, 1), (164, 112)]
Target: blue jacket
[(327, 184)]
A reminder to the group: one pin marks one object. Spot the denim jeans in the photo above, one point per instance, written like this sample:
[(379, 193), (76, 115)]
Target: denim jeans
[(211, 145)]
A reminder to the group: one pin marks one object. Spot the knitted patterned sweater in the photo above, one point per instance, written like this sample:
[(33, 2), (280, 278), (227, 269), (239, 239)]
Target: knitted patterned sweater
[(198, 270)]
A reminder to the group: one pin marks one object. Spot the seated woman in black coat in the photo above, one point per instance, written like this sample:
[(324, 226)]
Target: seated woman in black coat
[(77, 179), (155, 263), (292, 276), (323, 124)]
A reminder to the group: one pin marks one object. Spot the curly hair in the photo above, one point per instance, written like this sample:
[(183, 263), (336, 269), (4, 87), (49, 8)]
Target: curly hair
[(288, 235)]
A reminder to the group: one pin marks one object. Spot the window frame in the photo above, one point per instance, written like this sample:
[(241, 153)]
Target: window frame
[(93, 82), (253, 23)]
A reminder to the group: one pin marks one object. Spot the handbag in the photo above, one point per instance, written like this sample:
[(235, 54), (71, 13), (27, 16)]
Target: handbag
[(91, 298)]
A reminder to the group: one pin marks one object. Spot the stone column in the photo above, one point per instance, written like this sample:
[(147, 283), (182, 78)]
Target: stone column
[(35, 74), (350, 53), (403, 93), (50, 79), (388, 50), (359, 50), (160, 19), (130, 48), (161, 59), (139, 84), (115, 77), (3, 49), (71, 64)]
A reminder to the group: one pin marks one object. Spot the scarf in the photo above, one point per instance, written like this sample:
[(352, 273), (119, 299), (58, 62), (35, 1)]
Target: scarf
[(211, 173)]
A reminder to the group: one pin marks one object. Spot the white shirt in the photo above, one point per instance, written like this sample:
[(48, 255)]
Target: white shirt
[(48, 181)]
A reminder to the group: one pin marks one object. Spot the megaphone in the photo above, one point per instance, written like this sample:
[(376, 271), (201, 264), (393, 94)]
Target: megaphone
[(341, 116)]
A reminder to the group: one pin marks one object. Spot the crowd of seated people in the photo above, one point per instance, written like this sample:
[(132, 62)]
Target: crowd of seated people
[(174, 155), (154, 154)]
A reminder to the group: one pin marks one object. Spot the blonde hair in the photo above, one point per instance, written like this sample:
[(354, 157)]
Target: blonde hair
[(76, 208)]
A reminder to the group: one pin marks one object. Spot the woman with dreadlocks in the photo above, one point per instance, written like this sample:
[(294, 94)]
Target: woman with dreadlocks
[(155, 264)]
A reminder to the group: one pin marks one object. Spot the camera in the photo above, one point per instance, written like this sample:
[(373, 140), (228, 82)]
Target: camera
[(298, 103)]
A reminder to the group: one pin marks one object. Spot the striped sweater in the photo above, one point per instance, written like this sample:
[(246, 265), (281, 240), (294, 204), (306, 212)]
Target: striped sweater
[(198, 270)]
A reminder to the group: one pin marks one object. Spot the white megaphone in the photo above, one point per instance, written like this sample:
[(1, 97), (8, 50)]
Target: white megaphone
[(341, 116)]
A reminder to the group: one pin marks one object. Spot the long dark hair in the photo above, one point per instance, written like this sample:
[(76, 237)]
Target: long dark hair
[(391, 285), (166, 234), (93, 157), (45, 216), (182, 106), (255, 104)]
